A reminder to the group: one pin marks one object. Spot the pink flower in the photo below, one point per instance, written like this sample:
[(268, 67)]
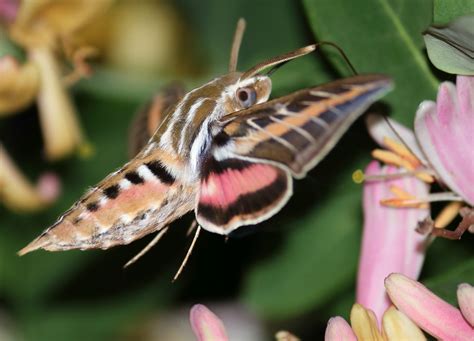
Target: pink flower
[(395, 326), (8, 10), (431, 313), (339, 329), (444, 131), (439, 150), (206, 325), (389, 242)]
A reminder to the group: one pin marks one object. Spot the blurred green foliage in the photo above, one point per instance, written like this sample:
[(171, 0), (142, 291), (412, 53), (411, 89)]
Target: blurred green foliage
[(301, 264)]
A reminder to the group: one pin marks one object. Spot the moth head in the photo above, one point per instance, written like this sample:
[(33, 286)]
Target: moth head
[(252, 91), (252, 87)]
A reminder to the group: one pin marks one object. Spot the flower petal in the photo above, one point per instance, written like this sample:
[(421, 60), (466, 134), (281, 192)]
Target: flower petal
[(397, 326), (465, 87), (16, 191), (206, 325), (444, 131), (428, 311), (380, 129), (389, 242), (466, 301), (338, 329), (59, 123), (364, 324), (8, 10)]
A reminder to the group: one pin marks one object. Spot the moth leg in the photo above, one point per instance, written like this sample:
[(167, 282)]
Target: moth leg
[(185, 260), (147, 247), (191, 228)]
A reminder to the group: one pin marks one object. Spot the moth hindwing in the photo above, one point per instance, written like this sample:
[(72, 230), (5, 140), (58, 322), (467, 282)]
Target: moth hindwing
[(223, 150)]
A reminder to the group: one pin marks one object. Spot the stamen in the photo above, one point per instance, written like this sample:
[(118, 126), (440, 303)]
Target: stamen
[(392, 158), (425, 177), (403, 199), (401, 150), (447, 214), (359, 177)]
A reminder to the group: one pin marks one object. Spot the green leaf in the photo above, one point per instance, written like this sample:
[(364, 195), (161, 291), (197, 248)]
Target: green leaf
[(447, 10), (318, 259), (446, 284), (380, 36), (450, 48), (103, 320)]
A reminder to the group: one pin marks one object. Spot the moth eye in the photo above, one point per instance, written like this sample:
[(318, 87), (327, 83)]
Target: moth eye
[(247, 97)]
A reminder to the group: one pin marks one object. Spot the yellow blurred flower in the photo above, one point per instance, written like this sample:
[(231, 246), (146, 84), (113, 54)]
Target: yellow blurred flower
[(18, 85), (46, 29), (18, 193)]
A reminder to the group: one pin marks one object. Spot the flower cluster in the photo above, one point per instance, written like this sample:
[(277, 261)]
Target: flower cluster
[(439, 150), (47, 31)]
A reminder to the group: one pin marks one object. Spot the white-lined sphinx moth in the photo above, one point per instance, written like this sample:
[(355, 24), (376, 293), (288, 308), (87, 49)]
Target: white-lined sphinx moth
[(222, 150)]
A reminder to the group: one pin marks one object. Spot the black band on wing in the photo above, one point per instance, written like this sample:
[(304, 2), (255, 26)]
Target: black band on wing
[(160, 172), (235, 192)]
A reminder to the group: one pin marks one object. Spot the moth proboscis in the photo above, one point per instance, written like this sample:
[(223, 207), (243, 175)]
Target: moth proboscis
[(223, 150)]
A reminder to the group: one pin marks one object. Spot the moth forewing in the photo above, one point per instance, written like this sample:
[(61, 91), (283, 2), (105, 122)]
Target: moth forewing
[(240, 182), (140, 198)]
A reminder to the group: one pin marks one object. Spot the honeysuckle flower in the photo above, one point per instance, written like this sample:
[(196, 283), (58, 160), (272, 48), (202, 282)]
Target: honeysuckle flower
[(284, 335), (389, 242), (440, 150), (46, 29), (206, 325), (465, 295), (240, 323), (18, 194), (444, 130), (432, 314), (364, 326), (18, 84), (339, 329)]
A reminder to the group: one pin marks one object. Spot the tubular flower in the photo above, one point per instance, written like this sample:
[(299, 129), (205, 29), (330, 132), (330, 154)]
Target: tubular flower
[(389, 242), (364, 326), (46, 29), (435, 316), (444, 132), (439, 150), (206, 325)]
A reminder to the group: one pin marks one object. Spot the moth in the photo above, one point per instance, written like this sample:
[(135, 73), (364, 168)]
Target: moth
[(223, 150)]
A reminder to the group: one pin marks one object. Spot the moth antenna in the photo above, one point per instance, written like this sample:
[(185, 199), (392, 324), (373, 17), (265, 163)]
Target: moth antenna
[(342, 53), (185, 260), (191, 228), (277, 61), (147, 248), (237, 41)]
